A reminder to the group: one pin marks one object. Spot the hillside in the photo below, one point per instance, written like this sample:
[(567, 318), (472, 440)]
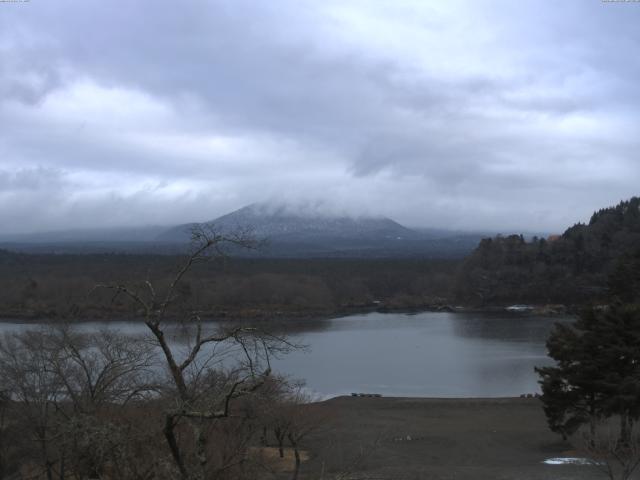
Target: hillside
[(294, 233), (577, 267), (279, 223)]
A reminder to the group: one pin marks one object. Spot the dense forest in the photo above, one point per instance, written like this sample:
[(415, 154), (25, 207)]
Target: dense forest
[(582, 265), (60, 286)]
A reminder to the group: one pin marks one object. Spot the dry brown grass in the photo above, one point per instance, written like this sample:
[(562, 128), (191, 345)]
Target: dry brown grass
[(270, 457)]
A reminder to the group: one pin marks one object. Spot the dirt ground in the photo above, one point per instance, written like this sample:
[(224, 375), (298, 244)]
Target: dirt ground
[(416, 438)]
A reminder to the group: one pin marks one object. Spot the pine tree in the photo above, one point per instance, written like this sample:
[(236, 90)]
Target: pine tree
[(597, 372), (624, 281), (570, 391)]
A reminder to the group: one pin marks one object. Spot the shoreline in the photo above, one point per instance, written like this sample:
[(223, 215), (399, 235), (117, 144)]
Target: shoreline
[(403, 398), (279, 315)]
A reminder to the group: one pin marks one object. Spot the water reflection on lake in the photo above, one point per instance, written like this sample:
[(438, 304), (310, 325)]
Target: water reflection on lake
[(425, 354)]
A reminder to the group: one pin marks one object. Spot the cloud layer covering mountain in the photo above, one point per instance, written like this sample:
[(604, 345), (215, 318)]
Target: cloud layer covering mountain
[(459, 114)]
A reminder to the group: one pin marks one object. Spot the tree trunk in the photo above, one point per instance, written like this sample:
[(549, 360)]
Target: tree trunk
[(49, 471), (62, 467), (174, 369), (169, 434), (280, 449), (42, 434), (625, 431), (279, 434), (592, 431), (296, 454), (201, 448)]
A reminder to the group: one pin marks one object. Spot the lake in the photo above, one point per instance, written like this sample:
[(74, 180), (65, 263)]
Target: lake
[(394, 354)]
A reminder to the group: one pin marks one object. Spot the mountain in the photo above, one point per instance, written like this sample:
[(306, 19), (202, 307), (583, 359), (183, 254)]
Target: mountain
[(283, 224), (292, 232)]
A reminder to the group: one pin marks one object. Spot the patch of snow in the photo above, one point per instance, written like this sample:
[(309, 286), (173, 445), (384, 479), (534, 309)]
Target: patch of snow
[(519, 308), (567, 461)]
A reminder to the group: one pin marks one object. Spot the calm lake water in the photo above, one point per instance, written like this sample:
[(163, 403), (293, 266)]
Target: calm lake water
[(424, 354)]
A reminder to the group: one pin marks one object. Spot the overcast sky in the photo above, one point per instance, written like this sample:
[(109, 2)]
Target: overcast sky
[(503, 115)]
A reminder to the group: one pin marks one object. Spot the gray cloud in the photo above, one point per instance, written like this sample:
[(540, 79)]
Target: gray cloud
[(501, 115)]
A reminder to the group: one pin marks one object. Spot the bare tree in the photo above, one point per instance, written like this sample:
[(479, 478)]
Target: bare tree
[(219, 365), (26, 374), (64, 387), (602, 445), (4, 460), (101, 369), (100, 374), (291, 418), (97, 405)]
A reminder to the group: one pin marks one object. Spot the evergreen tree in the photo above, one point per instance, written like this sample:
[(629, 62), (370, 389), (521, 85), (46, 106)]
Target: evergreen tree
[(570, 391), (572, 268), (624, 281), (597, 372)]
